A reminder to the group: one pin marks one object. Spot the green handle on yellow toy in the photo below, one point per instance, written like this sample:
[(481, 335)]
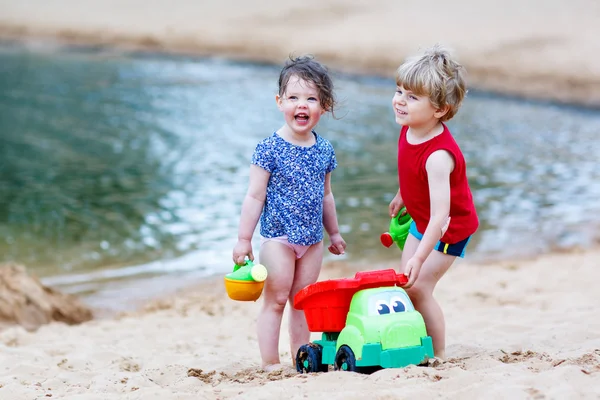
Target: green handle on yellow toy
[(248, 272)]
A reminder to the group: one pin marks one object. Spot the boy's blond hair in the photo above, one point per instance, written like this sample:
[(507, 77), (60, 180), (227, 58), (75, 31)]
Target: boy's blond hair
[(436, 75)]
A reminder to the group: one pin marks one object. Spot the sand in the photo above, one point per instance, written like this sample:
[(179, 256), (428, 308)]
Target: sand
[(516, 329), (527, 329), (536, 48)]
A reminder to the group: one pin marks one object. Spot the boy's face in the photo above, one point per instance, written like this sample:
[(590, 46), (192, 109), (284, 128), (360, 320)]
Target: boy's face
[(300, 105), (412, 110)]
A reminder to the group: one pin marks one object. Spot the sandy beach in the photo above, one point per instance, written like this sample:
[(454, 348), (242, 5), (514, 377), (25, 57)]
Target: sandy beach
[(541, 49), (518, 329)]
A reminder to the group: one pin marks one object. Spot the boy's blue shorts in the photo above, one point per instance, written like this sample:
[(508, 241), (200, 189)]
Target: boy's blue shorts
[(456, 249)]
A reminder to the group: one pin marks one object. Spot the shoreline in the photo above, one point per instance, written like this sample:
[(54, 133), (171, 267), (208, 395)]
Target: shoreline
[(561, 89), (133, 292), (530, 54), (332, 269)]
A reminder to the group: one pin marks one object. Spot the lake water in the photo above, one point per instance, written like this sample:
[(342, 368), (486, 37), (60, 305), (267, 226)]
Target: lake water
[(121, 168)]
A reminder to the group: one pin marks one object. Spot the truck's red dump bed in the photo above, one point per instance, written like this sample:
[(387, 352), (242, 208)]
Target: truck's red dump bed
[(327, 303)]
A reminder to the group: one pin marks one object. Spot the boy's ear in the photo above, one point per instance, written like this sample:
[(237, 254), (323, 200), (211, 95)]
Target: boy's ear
[(440, 112)]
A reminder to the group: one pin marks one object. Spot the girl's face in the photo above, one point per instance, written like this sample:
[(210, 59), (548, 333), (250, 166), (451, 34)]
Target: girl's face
[(300, 105), (412, 110)]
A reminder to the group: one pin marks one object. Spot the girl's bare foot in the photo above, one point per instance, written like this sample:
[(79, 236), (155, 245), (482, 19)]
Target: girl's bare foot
[(273, 367)]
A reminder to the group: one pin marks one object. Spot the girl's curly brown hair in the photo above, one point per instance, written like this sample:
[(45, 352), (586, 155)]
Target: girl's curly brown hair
[(308, 69)]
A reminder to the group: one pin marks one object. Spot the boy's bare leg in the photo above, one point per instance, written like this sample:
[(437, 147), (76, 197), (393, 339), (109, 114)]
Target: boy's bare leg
[(421, 293)]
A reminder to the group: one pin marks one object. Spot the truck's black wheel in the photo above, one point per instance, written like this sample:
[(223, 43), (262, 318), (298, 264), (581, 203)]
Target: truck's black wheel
[(345, 360), (310, 359)]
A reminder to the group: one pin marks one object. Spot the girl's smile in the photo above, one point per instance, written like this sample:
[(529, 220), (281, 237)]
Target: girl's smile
[(301, 108)]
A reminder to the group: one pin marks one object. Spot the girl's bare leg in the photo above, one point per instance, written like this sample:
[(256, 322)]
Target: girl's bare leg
[(279, 260), (307, 272)]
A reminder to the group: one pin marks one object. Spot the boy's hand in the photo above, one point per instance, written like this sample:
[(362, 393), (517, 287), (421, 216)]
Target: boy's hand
[(412, 270), (413, 266), (395, 205), (242, 249), (338, 245)]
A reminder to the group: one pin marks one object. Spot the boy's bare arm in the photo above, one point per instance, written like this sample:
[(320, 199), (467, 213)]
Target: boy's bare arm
[(439, 165)]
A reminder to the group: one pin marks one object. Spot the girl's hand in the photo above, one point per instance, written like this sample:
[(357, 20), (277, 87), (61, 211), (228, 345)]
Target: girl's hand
[(338, 245), (242, 249), (412, 270), (395, 205)]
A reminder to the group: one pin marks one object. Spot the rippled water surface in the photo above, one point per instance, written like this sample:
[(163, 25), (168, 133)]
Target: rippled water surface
[(117, 165)]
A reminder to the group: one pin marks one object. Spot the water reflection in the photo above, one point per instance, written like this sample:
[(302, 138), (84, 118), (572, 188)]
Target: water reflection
[(85, 174), (121, 160)]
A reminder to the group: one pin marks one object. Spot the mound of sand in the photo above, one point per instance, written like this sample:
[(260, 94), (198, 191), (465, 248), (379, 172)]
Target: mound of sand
[(25, 301)]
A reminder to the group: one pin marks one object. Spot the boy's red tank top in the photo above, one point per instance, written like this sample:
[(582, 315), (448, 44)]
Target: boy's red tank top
[(414, 188)]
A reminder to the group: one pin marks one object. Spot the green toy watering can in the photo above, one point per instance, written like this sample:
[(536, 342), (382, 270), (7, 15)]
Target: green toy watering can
[(246, 282), (398, 232)]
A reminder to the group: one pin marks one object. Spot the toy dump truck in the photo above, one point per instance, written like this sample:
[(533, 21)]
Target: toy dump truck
[(368, 322)]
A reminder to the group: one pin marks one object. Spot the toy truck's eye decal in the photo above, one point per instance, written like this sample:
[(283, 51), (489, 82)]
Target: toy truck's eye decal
[(383, 307), (389, 302), (397, 304)]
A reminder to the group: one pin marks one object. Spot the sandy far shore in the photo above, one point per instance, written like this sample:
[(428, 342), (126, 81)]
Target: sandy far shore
[(516, 330), (538, 48)]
